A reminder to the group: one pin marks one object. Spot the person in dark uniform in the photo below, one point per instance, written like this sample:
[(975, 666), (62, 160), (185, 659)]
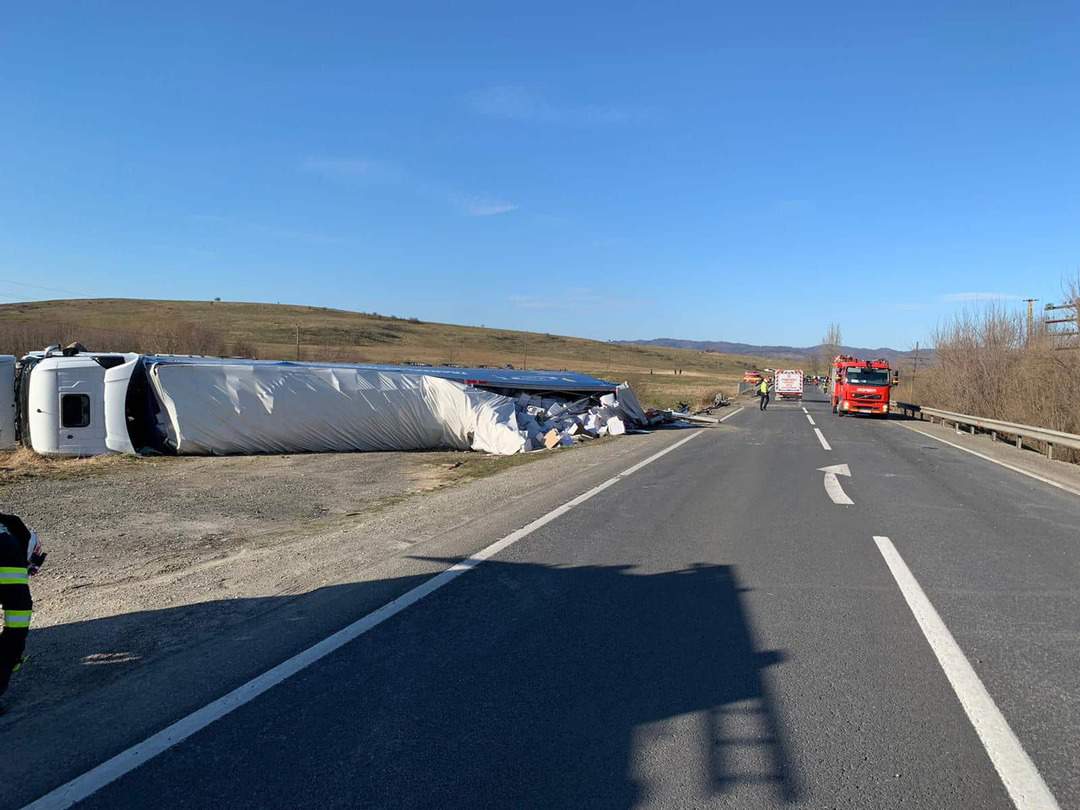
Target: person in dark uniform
[(20, 557)]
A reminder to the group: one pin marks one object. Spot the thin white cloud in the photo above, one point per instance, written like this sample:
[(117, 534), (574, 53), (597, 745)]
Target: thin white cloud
[(341, 168), (352, 170), (793, 205), (481, 206), (964, 297), (572, 299), (516, 103), (267, 230)]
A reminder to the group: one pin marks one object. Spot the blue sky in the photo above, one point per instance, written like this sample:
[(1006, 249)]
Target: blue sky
[(625, 170)]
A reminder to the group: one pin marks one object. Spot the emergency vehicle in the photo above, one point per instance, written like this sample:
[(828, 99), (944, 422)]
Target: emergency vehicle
[(789, 384), (861, 386)]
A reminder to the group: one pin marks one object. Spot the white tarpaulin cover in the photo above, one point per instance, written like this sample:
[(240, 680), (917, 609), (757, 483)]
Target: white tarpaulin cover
[(279, 408)]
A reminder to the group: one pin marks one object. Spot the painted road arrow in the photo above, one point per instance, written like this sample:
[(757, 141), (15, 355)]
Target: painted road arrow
[(832, 483)]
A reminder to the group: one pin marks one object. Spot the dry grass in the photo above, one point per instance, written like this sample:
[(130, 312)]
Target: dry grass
[(989, 364), (269, 331), (23, 463)]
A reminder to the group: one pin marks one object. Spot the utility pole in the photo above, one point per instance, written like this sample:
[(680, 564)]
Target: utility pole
[(915, 371), (1074, 320), (298, 341), (1030, 317)]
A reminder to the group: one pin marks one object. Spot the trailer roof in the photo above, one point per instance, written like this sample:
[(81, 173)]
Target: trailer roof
[(503, 378)]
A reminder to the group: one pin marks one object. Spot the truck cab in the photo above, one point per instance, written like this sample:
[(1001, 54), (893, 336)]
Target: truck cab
[(62, 402), (861, 386)]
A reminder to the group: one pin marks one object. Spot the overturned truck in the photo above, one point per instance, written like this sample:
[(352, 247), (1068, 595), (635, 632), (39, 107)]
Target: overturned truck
[(87, 403)]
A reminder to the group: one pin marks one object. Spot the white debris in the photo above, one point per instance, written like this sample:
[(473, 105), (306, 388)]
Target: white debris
[(550, 422), (628, 403)]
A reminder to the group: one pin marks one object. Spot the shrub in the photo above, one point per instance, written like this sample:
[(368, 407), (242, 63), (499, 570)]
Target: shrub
[(989, 364)]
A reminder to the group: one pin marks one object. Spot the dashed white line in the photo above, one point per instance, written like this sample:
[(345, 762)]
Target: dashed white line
[(109, 771), (821, 438), (811, 419), (1018, 773), (804, 410)]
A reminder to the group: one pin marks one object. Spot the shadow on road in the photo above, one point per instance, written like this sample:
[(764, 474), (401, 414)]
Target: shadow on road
[(518, 685), (599, 667)]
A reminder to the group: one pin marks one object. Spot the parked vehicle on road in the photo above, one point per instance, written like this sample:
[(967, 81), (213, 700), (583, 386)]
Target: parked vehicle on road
[(861, 386), (789, 384)]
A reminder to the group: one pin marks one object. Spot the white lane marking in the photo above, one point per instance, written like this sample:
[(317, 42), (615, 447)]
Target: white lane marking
[(811, 419), (737, 410), (109, 771), (1020, 470), (1018, 773), (821, 438), (832, 483), (804, 410)]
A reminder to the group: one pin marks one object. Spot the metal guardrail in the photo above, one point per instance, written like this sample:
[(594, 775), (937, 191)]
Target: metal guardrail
[(1050, 438)]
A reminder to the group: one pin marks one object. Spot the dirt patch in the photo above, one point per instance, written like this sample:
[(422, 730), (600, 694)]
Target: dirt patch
[(108, 522)]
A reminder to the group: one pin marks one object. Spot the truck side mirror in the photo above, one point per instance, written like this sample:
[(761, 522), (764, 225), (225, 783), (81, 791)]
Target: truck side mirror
[(896, 378)]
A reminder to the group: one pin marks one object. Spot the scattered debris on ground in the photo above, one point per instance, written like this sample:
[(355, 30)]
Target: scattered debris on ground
[(546, 423)]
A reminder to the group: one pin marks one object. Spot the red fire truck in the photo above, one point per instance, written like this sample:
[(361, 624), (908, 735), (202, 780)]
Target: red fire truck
[(861, 386)]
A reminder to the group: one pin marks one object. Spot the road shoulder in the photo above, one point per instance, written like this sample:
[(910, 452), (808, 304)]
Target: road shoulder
[(1059, 474)]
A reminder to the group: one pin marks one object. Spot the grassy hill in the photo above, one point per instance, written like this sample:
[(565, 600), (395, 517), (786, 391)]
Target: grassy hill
[(270, 331)]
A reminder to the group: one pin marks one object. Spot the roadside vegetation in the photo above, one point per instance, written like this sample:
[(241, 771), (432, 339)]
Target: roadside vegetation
[(991, 363)]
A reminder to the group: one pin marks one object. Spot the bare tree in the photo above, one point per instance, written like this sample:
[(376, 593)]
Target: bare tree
[(830, 344), (242, 348), (985, 365)]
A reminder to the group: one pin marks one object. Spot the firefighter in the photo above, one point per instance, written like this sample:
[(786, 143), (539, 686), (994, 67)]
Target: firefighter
[(763, 392), (20, 557)]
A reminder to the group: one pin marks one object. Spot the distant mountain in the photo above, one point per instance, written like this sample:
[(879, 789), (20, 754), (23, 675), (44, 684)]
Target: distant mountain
[(792, 352)]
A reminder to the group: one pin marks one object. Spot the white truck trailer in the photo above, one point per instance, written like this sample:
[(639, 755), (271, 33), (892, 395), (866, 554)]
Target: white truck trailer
[(68, 402), (789, 384)]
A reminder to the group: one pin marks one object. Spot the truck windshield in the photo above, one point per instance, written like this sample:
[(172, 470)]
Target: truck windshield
[(867, 376)]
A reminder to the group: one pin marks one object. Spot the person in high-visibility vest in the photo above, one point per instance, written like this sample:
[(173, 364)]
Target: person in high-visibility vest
[(763, 392), (20, 557)]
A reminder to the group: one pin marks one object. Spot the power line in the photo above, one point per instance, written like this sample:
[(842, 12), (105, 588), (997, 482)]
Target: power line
[(43, 287)]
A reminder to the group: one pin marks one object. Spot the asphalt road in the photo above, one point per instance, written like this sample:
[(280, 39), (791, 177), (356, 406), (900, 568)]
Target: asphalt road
[(710, 630)]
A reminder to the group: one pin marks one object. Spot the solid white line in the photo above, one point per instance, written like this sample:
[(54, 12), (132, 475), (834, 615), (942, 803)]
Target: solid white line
[(821, 438), (811, 419), (1018, 773), (835, 491), (728, 416), (1020, 470), (109, 771)]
